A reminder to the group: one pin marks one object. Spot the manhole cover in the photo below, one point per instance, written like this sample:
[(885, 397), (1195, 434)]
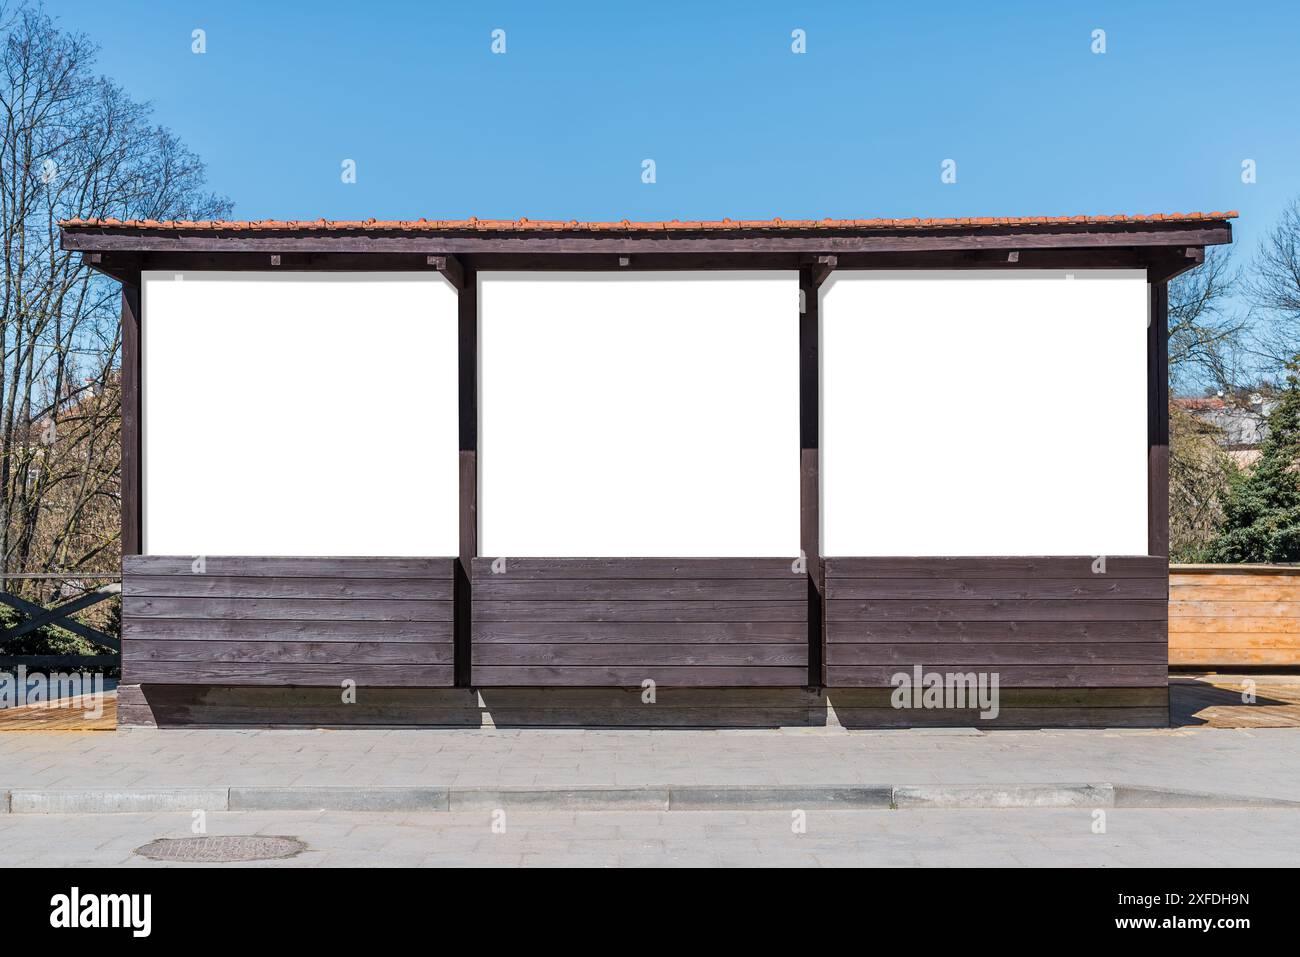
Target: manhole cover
[(221, 849)]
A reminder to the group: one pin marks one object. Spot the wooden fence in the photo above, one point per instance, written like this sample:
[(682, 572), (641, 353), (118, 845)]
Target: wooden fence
[(38, 616), (1223, 616)]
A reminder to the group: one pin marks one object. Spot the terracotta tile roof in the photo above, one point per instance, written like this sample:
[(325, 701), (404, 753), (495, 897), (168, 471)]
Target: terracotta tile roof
[(1194, 404), (538, 225)]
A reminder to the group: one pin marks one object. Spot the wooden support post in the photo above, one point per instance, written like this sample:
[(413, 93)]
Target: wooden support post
[(467, 340), (1158, 421), (132, 421), (810, 278)]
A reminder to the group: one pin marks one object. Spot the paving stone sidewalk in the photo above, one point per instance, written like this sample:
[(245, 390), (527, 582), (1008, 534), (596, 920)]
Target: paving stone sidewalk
[(1041, 838), (1257, 763)]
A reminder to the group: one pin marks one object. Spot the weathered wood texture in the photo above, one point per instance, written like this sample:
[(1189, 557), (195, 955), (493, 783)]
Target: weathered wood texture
[(467, 437), (132, 417), (604, 707), (1127, 707), (381, 622), (1047, 622), (1077, 237), (1228, 616), (620, 621), (810, 544), (1158, 420)]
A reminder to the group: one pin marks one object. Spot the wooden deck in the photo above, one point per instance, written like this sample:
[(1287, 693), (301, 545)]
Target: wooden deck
[(1215, 700), (68, 718)]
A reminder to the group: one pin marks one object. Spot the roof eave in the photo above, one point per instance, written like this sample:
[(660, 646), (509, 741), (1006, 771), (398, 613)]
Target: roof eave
[(789, 238)]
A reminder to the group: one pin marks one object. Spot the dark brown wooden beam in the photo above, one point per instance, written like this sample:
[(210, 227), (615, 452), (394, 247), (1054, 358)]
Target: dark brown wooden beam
[(809, 466), (1158, 421), (830, 241), (132, 421), (1157, 261), (820, 268), (1169, 264), (467, 404), (450, 268)]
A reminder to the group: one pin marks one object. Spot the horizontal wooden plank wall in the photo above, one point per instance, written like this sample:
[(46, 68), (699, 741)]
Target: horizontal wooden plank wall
[(620, 621), (1229, 616), (1045, 622), (381, 622)]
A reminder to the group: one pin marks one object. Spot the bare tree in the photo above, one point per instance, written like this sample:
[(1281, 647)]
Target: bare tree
[(1205, 333), (1274, 289), (72, 145), (1200, 474), (1205, 348)]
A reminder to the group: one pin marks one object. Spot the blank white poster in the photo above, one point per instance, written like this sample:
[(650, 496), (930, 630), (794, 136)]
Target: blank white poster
[(984, 413), (639, 414), (299, 414)]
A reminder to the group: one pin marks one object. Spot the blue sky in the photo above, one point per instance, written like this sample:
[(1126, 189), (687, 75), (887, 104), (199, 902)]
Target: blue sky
[(737, 124)]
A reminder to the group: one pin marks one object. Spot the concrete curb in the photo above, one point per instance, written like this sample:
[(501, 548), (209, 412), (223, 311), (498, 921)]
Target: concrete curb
[(569, 799), (740, 798), (1131, 796), (115, 800), (339, 799), (1004, 796), (642, 798)]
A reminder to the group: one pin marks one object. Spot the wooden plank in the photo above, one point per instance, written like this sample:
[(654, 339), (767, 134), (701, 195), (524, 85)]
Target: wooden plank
[(1238, 625), (504, 588), (69, 715), (1235, 572), (1234, 609), (992, 655), (558, 569), (221, 705), (661, 611), (1235, 639), (1081, 609), (1257, 580), (1099, 586), (737, 240), (289, 566), (617, 676), (1276, 590), (203, 586), (1018, 567), (643, 655), (295, 652), (960, 632), (1085, 717), (299, 609), (1234, 655), (1013, 676), (81, 662), (629, 698), (627, 632), (132, 419), (203, 629), (286, 673), (1068, 698), (1155, 259)]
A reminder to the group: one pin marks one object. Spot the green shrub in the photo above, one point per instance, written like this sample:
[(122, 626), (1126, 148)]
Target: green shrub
[(1262, 514)]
